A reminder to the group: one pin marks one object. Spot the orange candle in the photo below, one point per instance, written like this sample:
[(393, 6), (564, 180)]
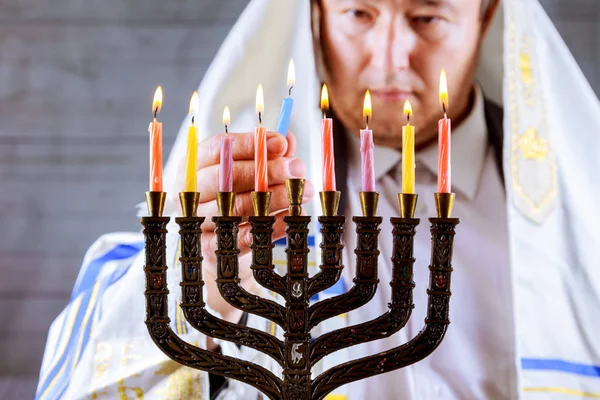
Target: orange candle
[(261, 183), (155, 131), (444, 132), (328, 159)]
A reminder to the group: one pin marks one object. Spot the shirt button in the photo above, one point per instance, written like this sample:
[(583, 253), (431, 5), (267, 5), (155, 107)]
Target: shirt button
[(437, 390)]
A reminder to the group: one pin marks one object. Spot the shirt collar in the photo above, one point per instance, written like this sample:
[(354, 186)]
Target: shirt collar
[(469, 145)]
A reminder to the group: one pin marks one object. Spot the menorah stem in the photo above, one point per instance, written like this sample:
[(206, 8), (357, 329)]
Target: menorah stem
[(158, 322), (436, 323), (228, 280), (296, 375)]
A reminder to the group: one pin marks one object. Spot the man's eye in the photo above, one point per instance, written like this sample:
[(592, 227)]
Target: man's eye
[(358, 14), (425, 20)]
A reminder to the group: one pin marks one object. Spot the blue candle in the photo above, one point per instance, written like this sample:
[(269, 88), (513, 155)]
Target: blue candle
[(284, 116), (288, 103)]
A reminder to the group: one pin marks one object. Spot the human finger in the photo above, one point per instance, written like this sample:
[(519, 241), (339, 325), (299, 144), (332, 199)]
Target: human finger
[(209, 150), (279, 170)]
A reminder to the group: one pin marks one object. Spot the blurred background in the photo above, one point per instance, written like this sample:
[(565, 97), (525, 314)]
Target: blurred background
[(76, 84)]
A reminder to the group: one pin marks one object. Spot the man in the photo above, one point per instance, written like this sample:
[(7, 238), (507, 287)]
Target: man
[(526, 286)]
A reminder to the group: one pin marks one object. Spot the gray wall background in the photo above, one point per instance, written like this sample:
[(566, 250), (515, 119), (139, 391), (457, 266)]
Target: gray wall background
[(76, 79)]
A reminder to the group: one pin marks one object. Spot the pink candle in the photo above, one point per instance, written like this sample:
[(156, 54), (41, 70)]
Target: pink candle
[(226, 166), (366, 149), (328, 160), (155, 131), (368, 169), (444, 132), (226, 157)]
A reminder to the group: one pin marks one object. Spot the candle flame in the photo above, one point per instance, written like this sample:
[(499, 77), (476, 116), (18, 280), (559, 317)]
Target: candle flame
[(194, 104), (260, 100), (158, 99), (407, 110), (226, 116), (443, 91), (324, 98), (367, 109), (291, 77)]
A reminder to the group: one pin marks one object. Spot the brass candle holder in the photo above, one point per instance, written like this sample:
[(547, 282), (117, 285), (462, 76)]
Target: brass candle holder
[(298, 352)]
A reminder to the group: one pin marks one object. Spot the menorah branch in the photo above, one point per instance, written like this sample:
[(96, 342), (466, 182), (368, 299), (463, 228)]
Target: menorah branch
[(332, 230), (365, 282), (436, 323), (262, 254), (407, 354), (193, 304), (228, 280), (400, 306), (158, 322)]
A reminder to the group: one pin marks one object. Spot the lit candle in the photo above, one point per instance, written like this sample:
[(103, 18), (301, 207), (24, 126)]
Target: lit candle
[(327, 137), (366, 148), (261, 183), (288, 103), (191, 157), (226, 165), (408, 152), (155, 131), (444, 132)]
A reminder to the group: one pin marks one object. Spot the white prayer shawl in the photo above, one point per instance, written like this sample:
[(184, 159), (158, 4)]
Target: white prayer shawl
[(99, 345)]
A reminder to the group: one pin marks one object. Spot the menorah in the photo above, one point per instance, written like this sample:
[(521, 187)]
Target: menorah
[(298, 352)]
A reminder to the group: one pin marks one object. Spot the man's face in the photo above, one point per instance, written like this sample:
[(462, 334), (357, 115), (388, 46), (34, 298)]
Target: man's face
[(396, 49)]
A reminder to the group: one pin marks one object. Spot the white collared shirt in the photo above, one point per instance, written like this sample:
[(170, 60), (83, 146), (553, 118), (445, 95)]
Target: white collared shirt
[(476, 359)]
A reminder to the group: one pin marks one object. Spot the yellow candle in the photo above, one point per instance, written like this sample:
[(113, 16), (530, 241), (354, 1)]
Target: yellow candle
[(408, 152), (192, 148)]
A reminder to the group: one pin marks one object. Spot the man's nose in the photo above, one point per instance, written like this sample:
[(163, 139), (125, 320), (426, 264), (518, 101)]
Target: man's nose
[(393, 43)]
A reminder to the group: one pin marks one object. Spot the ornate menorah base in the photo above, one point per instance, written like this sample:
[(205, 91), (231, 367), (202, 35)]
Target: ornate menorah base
[(298, 352)]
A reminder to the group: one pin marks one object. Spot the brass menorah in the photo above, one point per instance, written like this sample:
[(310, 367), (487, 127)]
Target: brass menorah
[(298, 352)]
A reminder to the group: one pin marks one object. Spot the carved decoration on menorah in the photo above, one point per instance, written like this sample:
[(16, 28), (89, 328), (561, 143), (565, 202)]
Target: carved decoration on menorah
[(298, 353)]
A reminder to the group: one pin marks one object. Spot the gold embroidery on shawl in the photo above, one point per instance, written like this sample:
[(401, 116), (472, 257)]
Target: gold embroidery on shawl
[(536, 203), (122, 389), (527, 75), (183, 383), (127, 356), (125, 390), (532, 145), (101, 364)]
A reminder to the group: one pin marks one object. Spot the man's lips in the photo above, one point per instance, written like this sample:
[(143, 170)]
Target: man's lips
[(392, 95)]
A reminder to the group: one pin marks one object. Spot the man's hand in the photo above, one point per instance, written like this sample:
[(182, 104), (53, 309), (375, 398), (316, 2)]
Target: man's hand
[(281, 165)]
